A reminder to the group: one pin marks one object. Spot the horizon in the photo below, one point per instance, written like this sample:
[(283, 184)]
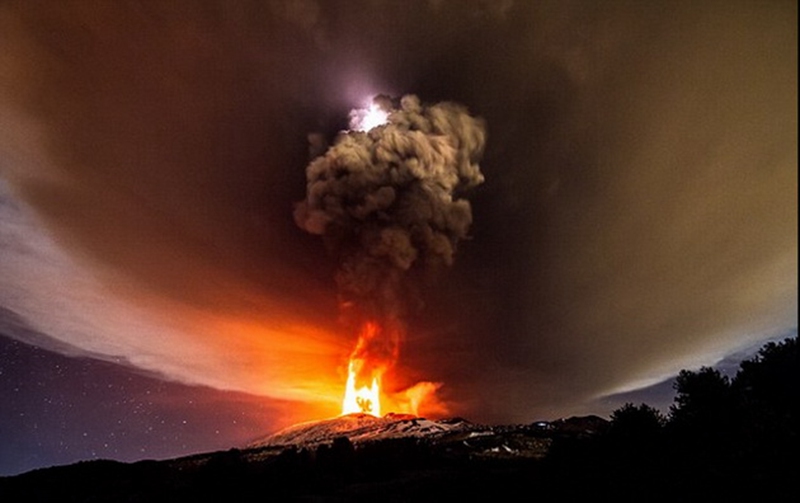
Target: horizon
[(207, 437)]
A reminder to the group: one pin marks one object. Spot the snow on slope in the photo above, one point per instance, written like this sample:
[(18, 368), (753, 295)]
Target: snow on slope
[(361, 428)]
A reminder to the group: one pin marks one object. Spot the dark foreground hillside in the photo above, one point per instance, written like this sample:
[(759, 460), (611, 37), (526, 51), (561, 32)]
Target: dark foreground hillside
[(724, 440), (485, 462)]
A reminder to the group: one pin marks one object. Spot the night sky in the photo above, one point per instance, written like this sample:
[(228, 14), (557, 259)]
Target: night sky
[(59, 410), (157, 297)]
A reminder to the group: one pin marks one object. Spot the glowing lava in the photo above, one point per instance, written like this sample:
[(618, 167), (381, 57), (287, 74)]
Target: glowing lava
[(375, 352), (364, 399)]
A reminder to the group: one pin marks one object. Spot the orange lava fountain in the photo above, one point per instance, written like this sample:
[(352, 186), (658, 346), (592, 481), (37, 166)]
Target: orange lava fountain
[(364, 372), (364, 399)]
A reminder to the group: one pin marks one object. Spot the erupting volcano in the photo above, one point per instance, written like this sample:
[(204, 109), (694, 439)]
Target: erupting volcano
[(385, 199)]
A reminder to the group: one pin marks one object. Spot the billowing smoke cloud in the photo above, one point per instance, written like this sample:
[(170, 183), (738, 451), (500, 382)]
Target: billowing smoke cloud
[(639, 213), (387, 201)]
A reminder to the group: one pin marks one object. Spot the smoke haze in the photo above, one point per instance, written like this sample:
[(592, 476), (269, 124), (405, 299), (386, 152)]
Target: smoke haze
[(638, 213)]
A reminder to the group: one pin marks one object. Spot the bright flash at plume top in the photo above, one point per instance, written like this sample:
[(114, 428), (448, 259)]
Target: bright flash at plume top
[(364, 119)]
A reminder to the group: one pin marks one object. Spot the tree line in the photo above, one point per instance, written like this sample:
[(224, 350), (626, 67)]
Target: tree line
[(723, 439)]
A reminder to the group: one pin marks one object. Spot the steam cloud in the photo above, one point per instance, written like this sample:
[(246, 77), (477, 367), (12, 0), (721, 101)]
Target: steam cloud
[(386, 201)]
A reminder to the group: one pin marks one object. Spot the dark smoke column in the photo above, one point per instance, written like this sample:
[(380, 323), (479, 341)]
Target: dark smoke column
[(387, 202)]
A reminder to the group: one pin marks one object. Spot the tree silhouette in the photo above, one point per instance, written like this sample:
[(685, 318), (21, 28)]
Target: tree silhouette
[(634, 447), (738, 434), (768, 392), (769, 382), (642, 421), (704, 401)]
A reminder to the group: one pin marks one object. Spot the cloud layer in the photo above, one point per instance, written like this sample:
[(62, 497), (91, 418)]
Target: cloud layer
[(638, 215)]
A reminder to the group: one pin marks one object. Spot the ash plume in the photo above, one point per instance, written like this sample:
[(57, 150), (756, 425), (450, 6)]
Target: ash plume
[(388, 201)]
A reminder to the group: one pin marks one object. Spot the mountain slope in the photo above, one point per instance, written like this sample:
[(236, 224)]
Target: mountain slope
[(349, 458), (360, 428)]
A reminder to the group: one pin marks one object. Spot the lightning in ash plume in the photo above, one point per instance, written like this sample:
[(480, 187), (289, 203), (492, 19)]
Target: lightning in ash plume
[(387, 200)]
